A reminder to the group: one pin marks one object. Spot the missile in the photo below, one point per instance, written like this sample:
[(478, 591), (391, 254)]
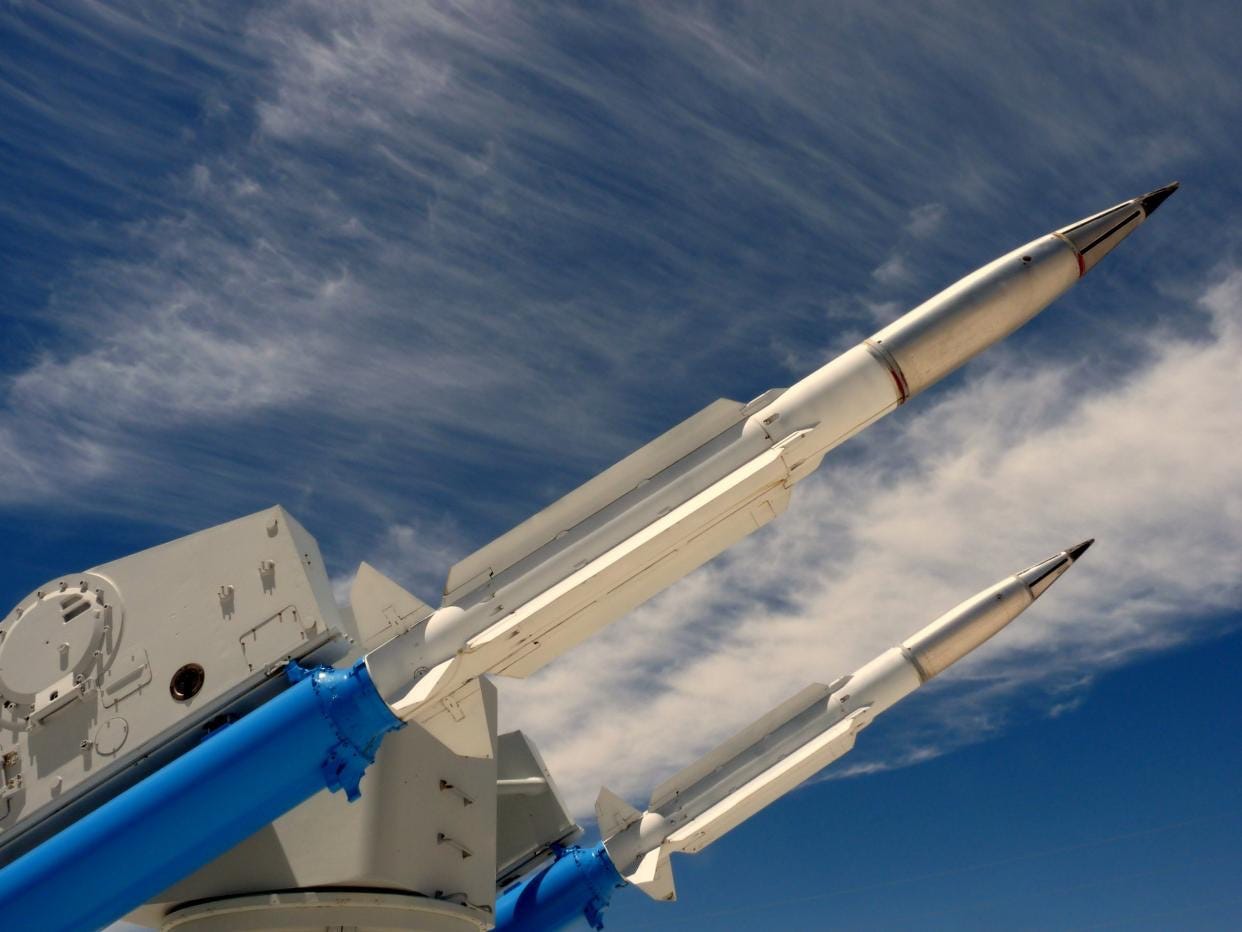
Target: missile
[(608, 546), (802, 736), (760, 764)]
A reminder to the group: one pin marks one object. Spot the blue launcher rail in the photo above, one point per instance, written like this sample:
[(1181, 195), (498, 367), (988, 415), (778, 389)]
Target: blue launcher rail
[(323, 731), (578, 885)]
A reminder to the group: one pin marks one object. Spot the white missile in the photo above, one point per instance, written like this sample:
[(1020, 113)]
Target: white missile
[(608, 546), (800, 737)]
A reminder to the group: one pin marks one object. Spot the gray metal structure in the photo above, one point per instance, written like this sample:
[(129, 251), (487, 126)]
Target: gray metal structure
[(108, 673)]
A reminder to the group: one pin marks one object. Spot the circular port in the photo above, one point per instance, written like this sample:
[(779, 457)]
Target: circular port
[(186, 682)]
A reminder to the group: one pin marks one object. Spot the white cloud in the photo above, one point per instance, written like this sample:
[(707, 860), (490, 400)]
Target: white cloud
[(994, 475), (926, 220), (892, 271)]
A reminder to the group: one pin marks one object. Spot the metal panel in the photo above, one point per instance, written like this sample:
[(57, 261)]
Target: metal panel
[(529, 825), (628, 575), (619, 480), (726, 752), (382, 608), (769, 786), (103, 645), (972, 314)]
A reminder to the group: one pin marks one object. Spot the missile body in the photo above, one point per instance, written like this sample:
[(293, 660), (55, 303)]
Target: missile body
[(802, 736), (586, 560), (760, 764)]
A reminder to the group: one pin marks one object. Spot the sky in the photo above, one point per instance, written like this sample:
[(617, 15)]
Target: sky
[(415, 270)]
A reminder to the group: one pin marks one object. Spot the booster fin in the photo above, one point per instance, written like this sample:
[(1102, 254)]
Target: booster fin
[(730, 749), (464, 721), (382, 609), (559, 521), (654, 875), (613, 813)]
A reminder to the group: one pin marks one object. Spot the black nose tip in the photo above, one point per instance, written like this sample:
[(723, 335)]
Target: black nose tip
[(1155, 198), (1076, 552)]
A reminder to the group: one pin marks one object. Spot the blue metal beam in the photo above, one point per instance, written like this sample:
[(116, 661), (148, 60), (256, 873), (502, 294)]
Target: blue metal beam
[(322, 731), (577, 885)]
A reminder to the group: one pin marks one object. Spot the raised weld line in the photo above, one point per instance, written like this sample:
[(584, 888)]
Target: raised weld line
[(1082, 266), (883, 356), (924, 676)]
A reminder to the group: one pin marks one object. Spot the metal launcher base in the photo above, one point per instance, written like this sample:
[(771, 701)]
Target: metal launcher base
[(327, 911)]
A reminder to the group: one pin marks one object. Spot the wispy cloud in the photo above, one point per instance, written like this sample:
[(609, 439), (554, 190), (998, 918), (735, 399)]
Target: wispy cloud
[(414, 270), (398, 233), (992, 477)]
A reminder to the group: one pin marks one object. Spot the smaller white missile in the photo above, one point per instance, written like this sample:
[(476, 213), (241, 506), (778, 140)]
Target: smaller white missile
[(801, 736)]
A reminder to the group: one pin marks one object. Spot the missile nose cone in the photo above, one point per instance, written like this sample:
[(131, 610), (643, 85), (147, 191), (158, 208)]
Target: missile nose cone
[(1094, 237), (1075, 552), (960, 630), (1042, 575), (1153, 199)]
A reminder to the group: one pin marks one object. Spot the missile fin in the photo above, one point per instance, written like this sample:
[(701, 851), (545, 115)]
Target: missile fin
[(770, 785), (654, 875), (382, 609), (564, 515), (464, 721), (645, 583), (634, 570), (613, 813), (730, 749)]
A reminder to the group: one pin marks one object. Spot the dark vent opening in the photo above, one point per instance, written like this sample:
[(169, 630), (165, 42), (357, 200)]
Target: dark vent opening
[(74, 613)]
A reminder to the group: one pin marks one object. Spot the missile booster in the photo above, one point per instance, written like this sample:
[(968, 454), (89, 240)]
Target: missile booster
[(760, 764)]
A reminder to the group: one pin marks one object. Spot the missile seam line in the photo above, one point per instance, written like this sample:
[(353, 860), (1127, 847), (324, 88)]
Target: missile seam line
[(1082, 265), (1103, 236), (924, 676), (1085, 220), (885, 358)]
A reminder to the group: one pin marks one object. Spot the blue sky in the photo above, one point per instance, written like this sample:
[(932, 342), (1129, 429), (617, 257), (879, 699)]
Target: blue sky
[(415, 270)]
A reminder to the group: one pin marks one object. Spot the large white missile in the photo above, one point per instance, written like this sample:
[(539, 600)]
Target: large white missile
[(608, 546), (800, 737)]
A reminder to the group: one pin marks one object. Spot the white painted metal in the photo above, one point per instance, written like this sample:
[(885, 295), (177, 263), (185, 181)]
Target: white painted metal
[(799, 737), (327, 911), (956, 634), (809, 700), (86, 661), (1093, 238), (981, 309), (583, 562), (382, 609), (531, 817), (549, 526)]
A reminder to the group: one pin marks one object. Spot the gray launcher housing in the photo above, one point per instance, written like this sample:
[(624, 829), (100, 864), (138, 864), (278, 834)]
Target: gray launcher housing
[(88, 704), (87, 669)]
